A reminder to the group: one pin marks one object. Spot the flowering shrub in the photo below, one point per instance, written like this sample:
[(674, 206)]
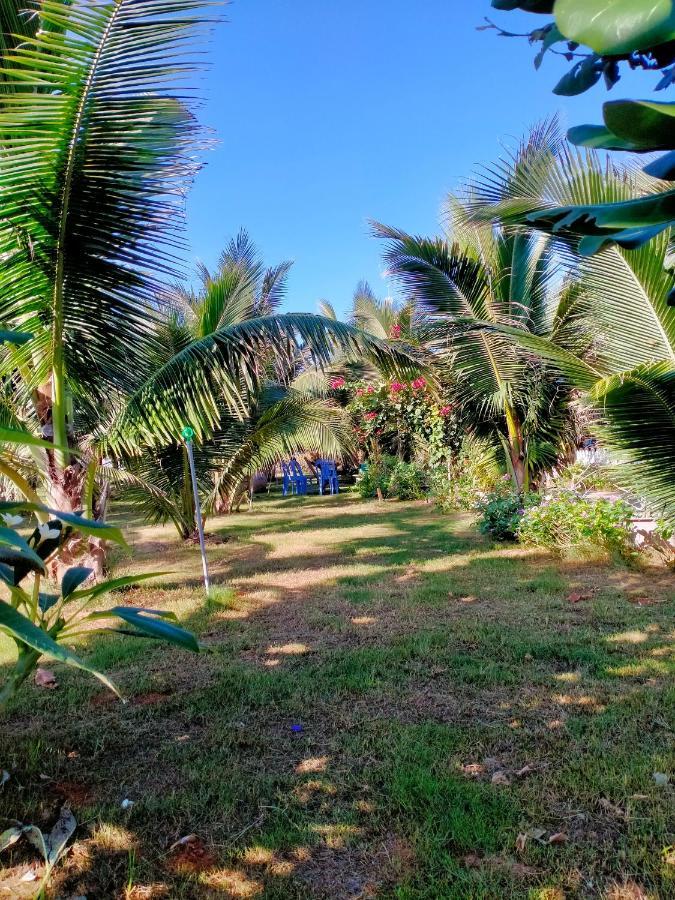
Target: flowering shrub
[(502, 512), (568, 522), (338, 383), (405, 420)]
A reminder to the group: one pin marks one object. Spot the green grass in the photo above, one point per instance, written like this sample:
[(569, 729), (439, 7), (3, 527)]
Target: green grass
[(419, 661)]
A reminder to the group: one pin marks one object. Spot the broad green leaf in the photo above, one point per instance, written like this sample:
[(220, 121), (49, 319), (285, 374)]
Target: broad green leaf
[(73, 578), (114, 584), (644, 125), (629, 239), (46, 601), (615, 27), (654, 209), (84, 526), (580, 78), (22, 628), (11, 538), (663, 167), (151, 623), (597, 137), (10, 836)]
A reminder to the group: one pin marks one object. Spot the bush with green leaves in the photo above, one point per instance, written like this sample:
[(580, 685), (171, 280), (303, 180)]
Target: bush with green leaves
[(42, 616), (471, 472), (502, 512), (408, 481), (375, 476), (570, 523)]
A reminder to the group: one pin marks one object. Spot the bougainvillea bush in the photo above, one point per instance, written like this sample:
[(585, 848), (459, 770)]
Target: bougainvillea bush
[(407, 420)]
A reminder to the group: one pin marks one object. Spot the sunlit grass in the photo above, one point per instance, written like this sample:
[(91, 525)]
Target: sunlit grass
[(370, 669)]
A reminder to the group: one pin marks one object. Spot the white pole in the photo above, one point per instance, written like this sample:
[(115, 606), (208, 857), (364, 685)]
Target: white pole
[(188, 434)]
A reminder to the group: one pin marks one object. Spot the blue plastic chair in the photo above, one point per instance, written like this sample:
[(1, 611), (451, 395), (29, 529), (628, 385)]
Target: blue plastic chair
[(327, 476), (294, 482), (299, 476)]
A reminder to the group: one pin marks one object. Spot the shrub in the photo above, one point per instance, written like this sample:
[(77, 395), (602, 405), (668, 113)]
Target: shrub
[(501, 513), (569, 522), (472, 472), (408, 481), (376, 474)]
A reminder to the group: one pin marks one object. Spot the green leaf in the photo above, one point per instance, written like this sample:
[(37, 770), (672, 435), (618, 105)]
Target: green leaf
[(151, 623), (582, 76), (20, 627), (10, 837), (73, 578), (17, 436), (663, 167), (114, 584), (46, 601), (645, 125), (615, 27), (597, 137), (14, 337), (11, 538), (79, 523)]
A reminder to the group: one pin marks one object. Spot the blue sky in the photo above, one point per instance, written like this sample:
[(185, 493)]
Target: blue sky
[(329, 114)]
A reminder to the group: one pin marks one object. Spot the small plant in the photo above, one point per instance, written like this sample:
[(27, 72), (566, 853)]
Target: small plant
[(375, 476), (471, 473), (568, 522), (42, 616), (408, 481), (502, 511)]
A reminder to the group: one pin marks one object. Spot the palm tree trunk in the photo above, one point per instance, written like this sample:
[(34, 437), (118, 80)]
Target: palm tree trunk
[(517, 450)]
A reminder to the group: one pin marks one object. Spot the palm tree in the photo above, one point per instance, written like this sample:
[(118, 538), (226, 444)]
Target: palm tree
[(97, 149), (278, 419), (504, 277), (628, 378)]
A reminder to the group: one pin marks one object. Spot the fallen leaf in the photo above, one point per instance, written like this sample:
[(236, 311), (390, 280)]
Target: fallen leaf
[(188, 839), (526, 770), (521, 842), (45, 678), (612, 808), (473, 769), (500, 778), (558, 838), (537, 834), (575, 597)]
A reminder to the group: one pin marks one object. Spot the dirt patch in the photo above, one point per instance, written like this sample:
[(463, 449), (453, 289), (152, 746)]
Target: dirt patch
[(190, 856)]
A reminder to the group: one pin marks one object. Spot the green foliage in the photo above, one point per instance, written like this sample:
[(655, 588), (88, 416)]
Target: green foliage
[(41, 622), (502, 512), (471, 472), (628, 377), (643, 35), (568, 522), (408, 481), (375, 476), (406, 419)]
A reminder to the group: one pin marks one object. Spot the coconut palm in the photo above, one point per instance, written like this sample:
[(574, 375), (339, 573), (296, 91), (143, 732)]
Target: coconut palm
[(628, 379), (275, 419), (97, 149), (479, 275)]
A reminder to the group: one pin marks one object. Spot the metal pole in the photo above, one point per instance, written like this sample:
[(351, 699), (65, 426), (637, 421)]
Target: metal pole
[(188, 434)]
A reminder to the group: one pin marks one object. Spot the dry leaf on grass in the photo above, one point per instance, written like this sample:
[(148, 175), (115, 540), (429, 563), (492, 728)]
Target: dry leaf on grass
[(612, 808), (500, 778), (45, 678), (500, 864), (576, 597)]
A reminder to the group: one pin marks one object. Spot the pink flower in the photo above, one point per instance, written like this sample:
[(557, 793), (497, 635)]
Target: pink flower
[(371, 389), (337, 383), (445, 411), (371, 416), (395, 332), (419, 383), (360, 392), (396, 386)]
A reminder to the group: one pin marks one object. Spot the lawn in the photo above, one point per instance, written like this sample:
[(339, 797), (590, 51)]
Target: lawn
[(390, 706)]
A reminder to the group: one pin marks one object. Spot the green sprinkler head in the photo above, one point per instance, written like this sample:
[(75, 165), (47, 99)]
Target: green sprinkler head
[(187, 433)]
